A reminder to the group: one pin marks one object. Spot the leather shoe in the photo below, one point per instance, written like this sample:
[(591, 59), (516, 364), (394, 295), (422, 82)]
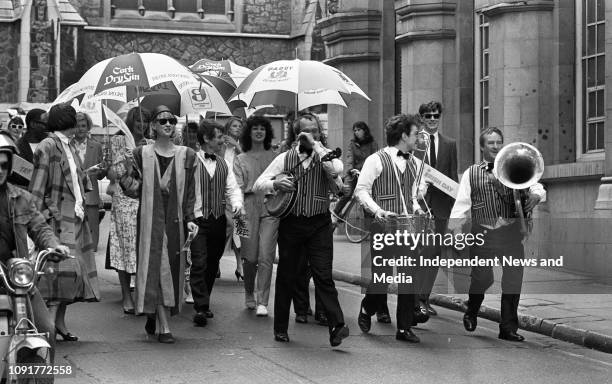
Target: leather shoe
[(199, 319), (420, 314), (302, 319), (510, 336), (469, 322), (383, 317), (406, 335), (283, 337), (66, 336), (429, 308), (321, 318), (364, 321), (150, 326), (337, 334), (166, 338), (208, 313)]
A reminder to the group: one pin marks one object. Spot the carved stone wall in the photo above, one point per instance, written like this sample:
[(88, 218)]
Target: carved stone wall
[(42, 55), (9, 61), (267, 16), (100, 45)]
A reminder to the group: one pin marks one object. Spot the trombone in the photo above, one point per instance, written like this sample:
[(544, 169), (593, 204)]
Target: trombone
[(519, 166)]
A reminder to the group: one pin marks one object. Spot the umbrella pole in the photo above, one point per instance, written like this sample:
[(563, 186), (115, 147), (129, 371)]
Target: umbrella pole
[(139, 109)]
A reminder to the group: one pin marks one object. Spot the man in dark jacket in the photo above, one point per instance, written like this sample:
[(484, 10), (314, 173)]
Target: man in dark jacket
[(19, 219)]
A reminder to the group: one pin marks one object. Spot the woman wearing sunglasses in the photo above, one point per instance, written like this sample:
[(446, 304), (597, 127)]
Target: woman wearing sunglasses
[(16, 127), (161, 175)]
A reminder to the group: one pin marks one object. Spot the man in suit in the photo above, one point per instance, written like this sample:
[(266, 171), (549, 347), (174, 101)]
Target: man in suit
[(90, 154), (442, 155)]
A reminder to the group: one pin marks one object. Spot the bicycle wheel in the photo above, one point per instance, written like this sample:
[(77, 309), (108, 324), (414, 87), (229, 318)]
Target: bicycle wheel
[(354, 225)]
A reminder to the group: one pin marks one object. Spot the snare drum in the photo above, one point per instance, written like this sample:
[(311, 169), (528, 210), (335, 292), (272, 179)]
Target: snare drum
[(410, 223)]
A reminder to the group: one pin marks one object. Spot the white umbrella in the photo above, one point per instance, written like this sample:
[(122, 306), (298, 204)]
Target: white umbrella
[(312, 82)]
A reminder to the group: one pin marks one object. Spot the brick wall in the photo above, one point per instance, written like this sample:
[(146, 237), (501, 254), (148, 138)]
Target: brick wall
[(267, 16), (9, 61)]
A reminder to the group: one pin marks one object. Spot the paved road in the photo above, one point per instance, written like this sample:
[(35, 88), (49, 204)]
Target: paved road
[(237, 347)]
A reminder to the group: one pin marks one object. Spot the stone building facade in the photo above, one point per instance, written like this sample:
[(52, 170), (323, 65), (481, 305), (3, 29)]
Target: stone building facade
[(540, 70), (61, 39)]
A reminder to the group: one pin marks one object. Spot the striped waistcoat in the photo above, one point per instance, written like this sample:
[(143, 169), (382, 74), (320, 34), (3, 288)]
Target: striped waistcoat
[(487, 203), (213, 189), (312, 189), (385, 189)]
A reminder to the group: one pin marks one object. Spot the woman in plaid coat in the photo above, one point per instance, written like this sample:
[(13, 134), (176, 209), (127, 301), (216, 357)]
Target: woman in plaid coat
[(57, 185)]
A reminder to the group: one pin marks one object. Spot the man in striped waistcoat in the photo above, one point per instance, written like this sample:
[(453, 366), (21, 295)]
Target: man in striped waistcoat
[(215, 184), (306, 233), (493, 213), (385, 189)]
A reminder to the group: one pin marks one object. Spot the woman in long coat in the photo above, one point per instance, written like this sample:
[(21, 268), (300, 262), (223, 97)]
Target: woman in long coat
[(161, 175), (58, 186)]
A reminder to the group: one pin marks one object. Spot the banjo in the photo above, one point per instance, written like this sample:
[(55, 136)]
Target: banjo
[(281, 203)]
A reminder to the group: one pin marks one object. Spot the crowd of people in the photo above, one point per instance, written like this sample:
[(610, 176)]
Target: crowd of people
[(192, 187)]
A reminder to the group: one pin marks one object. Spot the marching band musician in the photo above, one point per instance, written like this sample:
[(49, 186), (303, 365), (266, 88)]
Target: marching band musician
[(378, 190), (492, 209), (215, 184), (307, 231)]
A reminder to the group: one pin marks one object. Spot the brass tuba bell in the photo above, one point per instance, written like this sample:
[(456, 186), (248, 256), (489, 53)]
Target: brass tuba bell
[(519, 166)]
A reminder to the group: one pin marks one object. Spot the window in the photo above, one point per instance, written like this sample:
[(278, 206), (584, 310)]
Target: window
[(483, 73), (212, 7), (591, 75)]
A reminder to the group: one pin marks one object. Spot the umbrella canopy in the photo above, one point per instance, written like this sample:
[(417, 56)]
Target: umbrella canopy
[(224, 69), (312, 82)]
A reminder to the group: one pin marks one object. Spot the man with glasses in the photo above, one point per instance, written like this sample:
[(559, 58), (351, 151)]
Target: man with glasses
[(36, 131), (442, 156)]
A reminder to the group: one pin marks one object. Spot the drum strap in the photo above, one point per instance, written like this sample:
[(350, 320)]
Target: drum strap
[(399, 184)]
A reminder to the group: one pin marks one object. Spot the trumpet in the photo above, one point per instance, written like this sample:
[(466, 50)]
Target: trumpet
[(519, 166)]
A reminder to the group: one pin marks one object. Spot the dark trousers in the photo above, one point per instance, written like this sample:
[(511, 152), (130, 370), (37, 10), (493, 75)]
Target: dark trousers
[(427, 275), (301, 296), (505, 241), (305, 238), (206, 251)]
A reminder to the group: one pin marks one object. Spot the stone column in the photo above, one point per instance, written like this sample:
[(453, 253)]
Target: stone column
[(436, 57), (353, 39), (42, 83), (521, 45), (604, 197)]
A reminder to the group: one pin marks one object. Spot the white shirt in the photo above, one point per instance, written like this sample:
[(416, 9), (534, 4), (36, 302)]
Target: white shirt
[(233, 193), (78, 206), (463, 203), (372, 168), (81, 149), (265, 181)]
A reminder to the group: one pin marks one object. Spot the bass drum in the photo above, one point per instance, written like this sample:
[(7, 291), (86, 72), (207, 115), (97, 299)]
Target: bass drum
[(280, 203)]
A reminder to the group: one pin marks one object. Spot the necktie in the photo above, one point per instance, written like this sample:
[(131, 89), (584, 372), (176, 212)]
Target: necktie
[(490, 167), (210, 156), (432, 150), (404, 155)]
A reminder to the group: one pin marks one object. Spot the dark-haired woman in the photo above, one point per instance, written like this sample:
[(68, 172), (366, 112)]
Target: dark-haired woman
[(121, 249), (259, 249), (58, 188), (161, 176), (360, 147)]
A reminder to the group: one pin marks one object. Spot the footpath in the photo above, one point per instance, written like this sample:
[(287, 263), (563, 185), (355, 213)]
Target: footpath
[(583, 317)]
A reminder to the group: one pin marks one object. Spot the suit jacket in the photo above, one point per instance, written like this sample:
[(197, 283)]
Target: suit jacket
[(93, 156), (440, 203)]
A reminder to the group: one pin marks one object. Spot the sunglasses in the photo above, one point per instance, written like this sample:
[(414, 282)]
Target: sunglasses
[(16, 126), (171, 120), (432, 116), (4, 166)]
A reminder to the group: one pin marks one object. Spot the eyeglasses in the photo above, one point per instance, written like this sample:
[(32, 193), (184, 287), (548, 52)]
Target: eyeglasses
[(171, 120), (428, 116), (16, 126)]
